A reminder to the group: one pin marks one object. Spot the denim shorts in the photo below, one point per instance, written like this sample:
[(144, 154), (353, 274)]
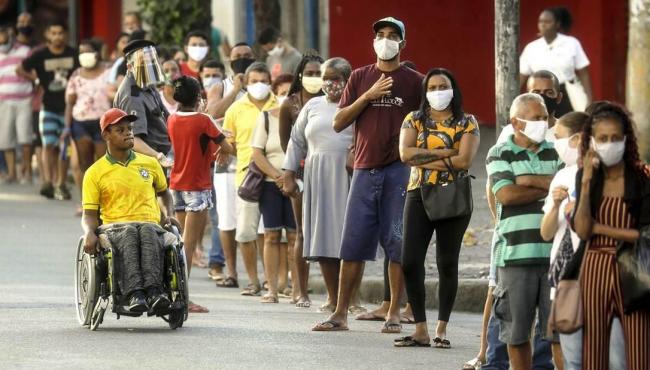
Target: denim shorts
[(89, 129), (374, 213), (276, 209), (192, 201)]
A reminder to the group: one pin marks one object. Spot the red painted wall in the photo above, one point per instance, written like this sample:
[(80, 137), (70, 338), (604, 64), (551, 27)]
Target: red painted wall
[(459, 35), (100, 18)]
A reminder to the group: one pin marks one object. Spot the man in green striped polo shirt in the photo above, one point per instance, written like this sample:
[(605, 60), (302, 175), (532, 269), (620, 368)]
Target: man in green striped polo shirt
[(520, 171)]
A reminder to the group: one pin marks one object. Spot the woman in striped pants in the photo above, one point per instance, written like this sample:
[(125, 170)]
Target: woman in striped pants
[(612, 205)]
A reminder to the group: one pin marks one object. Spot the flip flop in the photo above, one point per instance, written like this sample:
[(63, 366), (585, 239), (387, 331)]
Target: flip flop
[(269, 299), (406, 320), (329, 325), (391, 328), (441, 343), (370, 316), (410, 342), (473, 364)]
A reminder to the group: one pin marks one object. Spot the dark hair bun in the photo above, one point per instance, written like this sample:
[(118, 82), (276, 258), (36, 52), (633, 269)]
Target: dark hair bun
[(186, 90)]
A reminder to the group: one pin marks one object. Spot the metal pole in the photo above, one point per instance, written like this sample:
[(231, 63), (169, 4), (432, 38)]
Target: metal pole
[(506, 59), (73, 22), (638, 72)]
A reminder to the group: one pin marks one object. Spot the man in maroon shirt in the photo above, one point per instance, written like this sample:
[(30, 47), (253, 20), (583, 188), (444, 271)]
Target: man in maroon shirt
[(377, 97)]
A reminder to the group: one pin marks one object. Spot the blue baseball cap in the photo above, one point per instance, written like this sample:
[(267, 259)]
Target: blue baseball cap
[(390, 22)]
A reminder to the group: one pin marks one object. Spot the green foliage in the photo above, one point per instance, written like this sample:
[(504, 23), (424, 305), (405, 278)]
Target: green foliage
[(171, 20)]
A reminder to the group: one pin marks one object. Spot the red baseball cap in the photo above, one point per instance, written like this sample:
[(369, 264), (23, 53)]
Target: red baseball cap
[(113, 116)]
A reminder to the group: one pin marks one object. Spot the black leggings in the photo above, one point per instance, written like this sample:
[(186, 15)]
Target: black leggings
[(418, 230)]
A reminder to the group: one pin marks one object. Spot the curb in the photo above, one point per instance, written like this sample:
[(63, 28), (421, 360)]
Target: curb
[(470, 296)]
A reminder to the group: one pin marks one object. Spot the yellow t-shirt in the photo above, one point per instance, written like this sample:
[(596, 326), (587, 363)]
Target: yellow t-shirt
[(439, 135), (124, 192), (240, 120)]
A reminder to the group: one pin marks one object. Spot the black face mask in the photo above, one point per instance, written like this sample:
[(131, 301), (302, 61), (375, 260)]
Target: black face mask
[(26, 30), (551, 104), (239, 65)]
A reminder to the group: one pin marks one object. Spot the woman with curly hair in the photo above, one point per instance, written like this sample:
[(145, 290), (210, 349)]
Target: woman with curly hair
[(612, 205)]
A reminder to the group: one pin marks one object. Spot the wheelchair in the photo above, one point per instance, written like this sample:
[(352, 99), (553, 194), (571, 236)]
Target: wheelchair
[(96, 288)]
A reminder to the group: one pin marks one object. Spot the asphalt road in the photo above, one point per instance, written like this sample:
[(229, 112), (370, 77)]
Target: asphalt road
[(38, 326)]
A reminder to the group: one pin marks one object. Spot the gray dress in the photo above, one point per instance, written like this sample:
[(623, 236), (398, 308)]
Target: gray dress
[(326, 181)]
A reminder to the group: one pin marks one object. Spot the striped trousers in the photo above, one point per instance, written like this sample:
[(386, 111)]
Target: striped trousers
[(602, 299)]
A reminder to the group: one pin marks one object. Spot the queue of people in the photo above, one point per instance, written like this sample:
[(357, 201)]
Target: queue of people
[(300, 160)]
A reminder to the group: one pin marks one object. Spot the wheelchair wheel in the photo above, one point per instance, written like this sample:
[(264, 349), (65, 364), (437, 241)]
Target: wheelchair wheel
[(86, 285)]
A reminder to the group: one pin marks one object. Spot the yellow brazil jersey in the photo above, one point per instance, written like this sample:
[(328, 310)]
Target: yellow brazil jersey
[(124, 192), (240, 120), (437, 135)]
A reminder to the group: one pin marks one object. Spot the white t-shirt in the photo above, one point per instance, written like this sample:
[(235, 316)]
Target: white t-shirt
[(269, 141), (508, 131), (564, 177), (563, 56)]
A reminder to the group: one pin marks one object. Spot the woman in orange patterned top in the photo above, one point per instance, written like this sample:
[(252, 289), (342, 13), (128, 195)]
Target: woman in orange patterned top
[(435, 138), (612, 205)]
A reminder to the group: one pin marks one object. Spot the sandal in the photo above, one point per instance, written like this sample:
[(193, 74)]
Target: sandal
[(473, 364), (251, 290), (327, 308), (391, 328), (409, 342), (265, 286), (268, 298), (357, 310), (229, 282), (329, 325), (441, 343), (370, 316), (303, 303)]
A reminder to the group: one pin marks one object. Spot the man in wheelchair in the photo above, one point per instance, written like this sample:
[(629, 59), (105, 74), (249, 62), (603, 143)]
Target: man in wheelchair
[(121, 189)]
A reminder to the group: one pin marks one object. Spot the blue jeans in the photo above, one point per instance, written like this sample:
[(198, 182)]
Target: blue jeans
[(497, 351), (216, 250), (572, 348)]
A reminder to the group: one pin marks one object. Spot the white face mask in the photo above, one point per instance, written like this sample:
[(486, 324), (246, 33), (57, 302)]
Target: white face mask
[(259, 90), (276, 51), (440, 99), (609, 153), (385, 49), (197, 52), (281, 99), (567, 154), (312, 84), (88, 60), (4, 48), (535, 130), (208, 82)]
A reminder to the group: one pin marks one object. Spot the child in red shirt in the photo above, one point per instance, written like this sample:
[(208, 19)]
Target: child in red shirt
[(195, 139)]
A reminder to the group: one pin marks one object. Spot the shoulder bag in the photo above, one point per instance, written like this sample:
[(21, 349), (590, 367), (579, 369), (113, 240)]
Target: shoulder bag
[(566, 315), (448, 199), (251, 188), (633, 260)]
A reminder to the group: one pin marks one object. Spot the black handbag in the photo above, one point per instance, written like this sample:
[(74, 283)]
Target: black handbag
[(633, 260), (448, 199), (251, 188)]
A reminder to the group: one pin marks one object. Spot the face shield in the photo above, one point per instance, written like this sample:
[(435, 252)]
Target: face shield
[(145, 67)]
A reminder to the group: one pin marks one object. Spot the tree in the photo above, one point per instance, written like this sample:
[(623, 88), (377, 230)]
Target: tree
[(171, 20), (638, 72), (506, 59)]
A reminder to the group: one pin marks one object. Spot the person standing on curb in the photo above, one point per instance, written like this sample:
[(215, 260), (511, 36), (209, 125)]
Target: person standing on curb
[(377, 97)]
